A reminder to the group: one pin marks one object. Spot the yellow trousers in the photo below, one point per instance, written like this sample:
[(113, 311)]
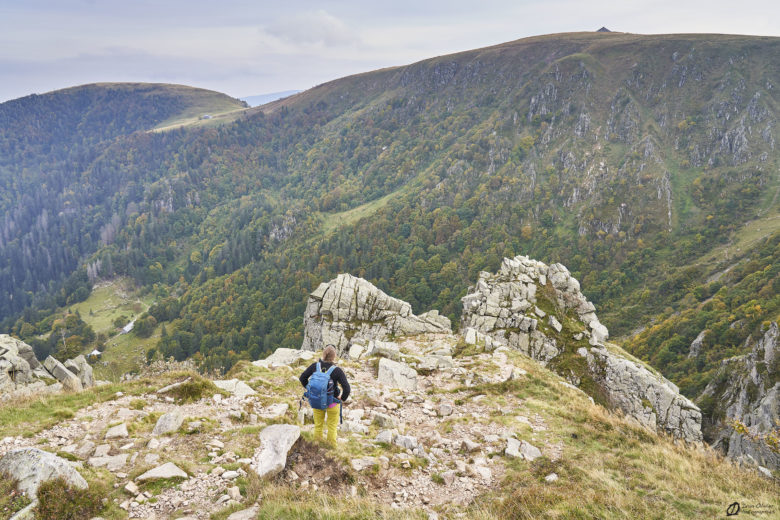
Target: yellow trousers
[(332, 420)]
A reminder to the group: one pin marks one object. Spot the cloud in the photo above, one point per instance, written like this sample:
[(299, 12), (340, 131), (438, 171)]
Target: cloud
[(312, 27)]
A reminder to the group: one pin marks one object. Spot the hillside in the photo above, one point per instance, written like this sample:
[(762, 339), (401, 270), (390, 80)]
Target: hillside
[(635, 160), (604, 466)]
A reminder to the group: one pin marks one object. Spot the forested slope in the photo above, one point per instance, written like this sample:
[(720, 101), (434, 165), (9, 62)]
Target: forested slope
[(628, 158)]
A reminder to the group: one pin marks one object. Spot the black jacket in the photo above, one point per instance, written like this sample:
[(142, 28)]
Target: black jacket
[(337, 376)]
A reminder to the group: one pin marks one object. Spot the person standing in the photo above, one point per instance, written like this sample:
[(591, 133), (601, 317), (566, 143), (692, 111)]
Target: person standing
[(337, 392)]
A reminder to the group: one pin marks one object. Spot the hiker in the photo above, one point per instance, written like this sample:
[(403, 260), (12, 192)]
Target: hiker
[(336, 389)]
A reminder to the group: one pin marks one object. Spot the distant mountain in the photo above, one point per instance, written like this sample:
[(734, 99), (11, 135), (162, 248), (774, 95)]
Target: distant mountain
[(646, 164), (262, 99)]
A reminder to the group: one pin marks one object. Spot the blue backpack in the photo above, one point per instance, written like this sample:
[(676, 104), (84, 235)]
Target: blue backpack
[(320, 389)]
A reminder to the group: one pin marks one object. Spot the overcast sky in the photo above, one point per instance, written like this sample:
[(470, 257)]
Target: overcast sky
[(252, 47)]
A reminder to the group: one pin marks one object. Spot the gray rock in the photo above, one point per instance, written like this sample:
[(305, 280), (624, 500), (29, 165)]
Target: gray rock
[(82, 370), (284, 356), (746, 389), (350, 308), (383, 420), (274, 411), (31, 467), (628, 385), (529, 452), (405, 441), (169, 422), (246, 514), (275, 442), (552, 477), (397, 375), (110, 462), (117, 432), (644, 395), (69, 380), (356, 351), (469, 446), (102, 450), (167, 470), (364, 463), (696, 345), (235, 387), (385, 436), (445, 410), (513, 448), (386, 349), (554, 323)]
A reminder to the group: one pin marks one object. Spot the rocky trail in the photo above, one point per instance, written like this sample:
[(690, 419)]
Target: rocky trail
[(437, 429)]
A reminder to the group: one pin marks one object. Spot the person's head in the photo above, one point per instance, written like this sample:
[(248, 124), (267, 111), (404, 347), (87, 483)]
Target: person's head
[(329, 354)]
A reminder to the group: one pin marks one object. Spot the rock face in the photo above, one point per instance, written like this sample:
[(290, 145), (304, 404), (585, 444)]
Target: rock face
[(746, 389), (32, 467), (348, 308), (647, 397), (22, 374), (508, 308)]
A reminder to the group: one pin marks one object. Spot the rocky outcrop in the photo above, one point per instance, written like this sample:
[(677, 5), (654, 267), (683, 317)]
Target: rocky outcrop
[(510, 308), (742, 404), (647, 397), (21, 374), (349, 308)]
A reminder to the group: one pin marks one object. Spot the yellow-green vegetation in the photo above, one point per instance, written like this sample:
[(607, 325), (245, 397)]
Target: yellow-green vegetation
[(124, 354), (109, 301), (219, 107), (611, 467), (11, 500), (332, 221)]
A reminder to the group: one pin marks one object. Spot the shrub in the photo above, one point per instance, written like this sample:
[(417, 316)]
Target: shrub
[(58, 500)]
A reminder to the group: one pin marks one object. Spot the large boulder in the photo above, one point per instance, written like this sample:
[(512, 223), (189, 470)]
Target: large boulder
[(350, 308), (82, 370), (275, 442), (32, 467), (169, 422), (69, 380), (746, 392), (397, 375), (509, 307)]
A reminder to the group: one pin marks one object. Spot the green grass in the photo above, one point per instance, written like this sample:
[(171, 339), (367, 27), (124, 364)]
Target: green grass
[(201, 102), (333, 221), (109, 301), (124, 353)]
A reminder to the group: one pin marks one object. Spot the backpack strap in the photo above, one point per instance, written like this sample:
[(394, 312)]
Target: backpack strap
[(330, 370), (319, 369)]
